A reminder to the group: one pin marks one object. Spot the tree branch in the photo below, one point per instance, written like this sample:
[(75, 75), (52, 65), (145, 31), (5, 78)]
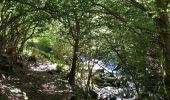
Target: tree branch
[(108, 11), (138, 5)]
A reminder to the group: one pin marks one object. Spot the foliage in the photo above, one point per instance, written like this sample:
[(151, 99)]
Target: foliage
[(132, 34)]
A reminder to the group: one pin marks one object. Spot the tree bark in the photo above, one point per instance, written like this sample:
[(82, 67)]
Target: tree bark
[(167, 65), (162, 23), (73, 67), (75, 32)]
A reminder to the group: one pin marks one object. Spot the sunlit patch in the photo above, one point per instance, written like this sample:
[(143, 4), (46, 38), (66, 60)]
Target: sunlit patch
[(51, 88), (43, 66), (110, 92), (12, 92)]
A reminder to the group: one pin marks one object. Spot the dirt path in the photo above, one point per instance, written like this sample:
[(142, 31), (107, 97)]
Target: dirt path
[(47, 85)]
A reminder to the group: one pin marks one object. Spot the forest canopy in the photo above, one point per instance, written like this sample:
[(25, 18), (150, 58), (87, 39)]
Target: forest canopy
[(129, 41)]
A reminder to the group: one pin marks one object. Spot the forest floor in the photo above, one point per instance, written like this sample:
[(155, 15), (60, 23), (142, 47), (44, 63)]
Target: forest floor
[(34, 85)]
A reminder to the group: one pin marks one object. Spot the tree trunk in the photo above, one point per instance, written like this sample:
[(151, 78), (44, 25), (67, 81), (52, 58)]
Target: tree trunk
[(21, 48), (167, 66), (162, 24), (73, 67), (76, 37)]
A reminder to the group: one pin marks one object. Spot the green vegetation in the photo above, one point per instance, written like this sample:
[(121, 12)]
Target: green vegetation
[(130, 39)]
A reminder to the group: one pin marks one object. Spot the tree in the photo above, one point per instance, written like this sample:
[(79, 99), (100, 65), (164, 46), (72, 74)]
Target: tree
[(145, 20), (75, 22), (19, 22)]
